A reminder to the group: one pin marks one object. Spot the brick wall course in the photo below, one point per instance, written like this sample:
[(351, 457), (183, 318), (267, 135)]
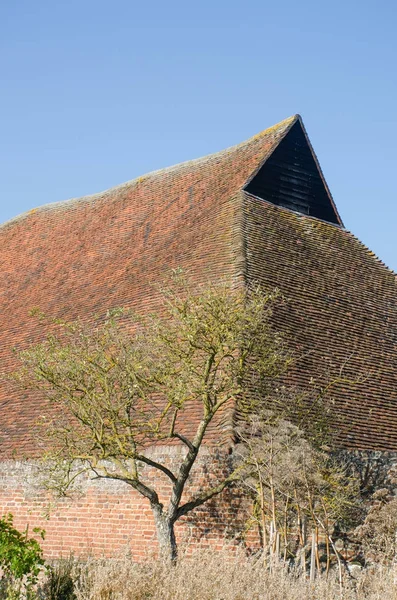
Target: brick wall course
[(108, 517)]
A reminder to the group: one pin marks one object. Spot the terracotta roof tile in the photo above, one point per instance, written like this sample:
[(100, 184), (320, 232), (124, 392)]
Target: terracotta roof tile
[(82, 256), (341, 310)]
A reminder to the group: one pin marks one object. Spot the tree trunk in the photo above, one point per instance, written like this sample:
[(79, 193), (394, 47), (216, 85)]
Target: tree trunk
[(165, 535)]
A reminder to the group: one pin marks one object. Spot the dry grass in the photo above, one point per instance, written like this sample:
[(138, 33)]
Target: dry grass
[(221, 576)]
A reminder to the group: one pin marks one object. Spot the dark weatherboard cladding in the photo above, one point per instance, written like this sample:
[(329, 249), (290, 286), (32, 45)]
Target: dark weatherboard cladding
[(291, 178)]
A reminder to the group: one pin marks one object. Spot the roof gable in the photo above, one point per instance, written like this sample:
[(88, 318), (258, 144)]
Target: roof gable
[(291, 177)]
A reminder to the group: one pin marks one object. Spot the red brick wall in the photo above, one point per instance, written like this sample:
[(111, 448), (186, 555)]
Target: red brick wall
[(105, 517)]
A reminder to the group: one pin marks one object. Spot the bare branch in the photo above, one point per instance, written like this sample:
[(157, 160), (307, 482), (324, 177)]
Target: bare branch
[(184, 440), (156, 465)]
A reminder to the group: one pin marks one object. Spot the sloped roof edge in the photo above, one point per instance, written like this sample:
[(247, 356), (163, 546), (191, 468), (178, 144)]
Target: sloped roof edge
[(293, 120), (196, 162), (320, 170)]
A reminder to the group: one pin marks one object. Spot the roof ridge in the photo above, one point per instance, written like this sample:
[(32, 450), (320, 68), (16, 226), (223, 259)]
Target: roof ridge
[(156, 172)]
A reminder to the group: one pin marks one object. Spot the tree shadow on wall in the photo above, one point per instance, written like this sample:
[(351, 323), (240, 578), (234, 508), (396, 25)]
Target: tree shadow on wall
[(224, 517), (374, 470)]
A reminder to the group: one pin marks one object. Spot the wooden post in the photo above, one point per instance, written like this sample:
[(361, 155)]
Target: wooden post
[(271, 545), (313, 558), (304, 542), (317, 555), (277, 545), (304, 531)]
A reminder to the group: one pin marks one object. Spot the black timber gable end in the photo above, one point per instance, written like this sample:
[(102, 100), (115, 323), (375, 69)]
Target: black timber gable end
[(291, 178)]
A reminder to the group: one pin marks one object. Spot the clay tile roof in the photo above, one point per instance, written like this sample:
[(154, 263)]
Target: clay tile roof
[(83, 256)]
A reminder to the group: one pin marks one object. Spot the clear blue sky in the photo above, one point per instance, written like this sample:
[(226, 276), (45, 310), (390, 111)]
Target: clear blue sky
[(93, 93)]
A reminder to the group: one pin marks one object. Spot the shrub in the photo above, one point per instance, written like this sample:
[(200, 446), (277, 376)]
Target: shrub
[(21, 560), (59, 584), (378, 533)]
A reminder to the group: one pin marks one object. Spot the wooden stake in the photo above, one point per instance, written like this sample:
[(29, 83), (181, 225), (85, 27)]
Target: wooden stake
[(317, 554), (313, 558), (277, 545), (328, 556), (271, 541)]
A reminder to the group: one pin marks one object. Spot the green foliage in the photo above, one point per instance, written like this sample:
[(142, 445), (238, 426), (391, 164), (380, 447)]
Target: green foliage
[(203, 348), (21, 559)]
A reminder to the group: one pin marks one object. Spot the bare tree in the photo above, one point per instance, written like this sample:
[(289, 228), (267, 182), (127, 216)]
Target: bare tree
[(119, 387), (295, 487)]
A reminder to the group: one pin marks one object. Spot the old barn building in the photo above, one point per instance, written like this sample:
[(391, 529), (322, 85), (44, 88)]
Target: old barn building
[(259, 211)]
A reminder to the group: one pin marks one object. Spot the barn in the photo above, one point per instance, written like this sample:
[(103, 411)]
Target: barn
[(259, 211)]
